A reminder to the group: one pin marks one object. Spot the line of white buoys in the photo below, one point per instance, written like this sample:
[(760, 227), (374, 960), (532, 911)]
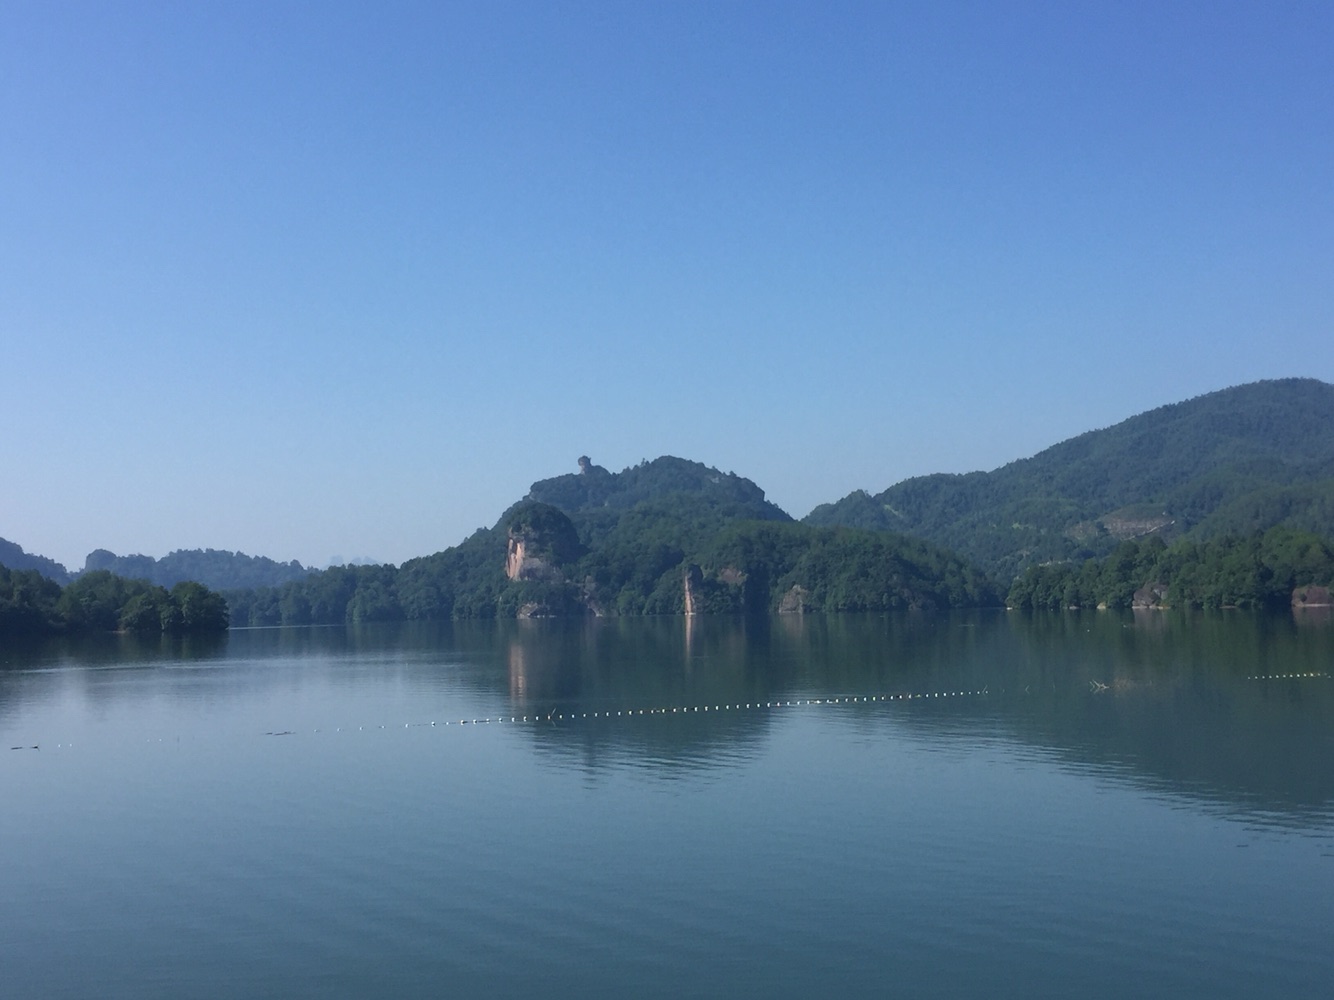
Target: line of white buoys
[(1286, 677), (555, 716)]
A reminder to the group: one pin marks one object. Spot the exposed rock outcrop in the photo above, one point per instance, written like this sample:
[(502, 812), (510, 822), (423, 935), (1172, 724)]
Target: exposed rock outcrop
[(796, 601), (540, 540), (1151, 595), (693, 582), (731, 576), (519, 565), (1121, 526), (1311, 597)]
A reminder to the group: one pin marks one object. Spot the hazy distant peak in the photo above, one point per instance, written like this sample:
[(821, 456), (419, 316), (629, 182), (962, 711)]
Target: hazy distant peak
[(12, 556), (216, 568)]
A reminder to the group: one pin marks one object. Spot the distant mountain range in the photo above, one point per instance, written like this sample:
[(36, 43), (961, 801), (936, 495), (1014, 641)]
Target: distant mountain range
[(1236, 461), (218, 569), (215, 568), (1240, 460)]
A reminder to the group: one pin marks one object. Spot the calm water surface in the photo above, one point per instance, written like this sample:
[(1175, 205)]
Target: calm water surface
[(990, 805)]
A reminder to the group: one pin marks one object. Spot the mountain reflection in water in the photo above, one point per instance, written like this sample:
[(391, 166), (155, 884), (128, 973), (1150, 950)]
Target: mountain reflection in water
[(1230, 709), (1095, 805)]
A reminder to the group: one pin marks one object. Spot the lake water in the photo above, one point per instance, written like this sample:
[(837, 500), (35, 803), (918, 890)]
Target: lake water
[(1093, 805)]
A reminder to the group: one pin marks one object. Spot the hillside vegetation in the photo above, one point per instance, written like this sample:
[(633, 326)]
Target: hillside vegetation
[(1231, 462), (1276, 569)]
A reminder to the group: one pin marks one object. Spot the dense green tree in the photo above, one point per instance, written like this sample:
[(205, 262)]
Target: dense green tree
[(151, 609), (28, 601), (202, 610), (93, 602), (100, 601), (294, 605)]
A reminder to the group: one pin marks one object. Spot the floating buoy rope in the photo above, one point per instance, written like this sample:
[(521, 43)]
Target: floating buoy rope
[(1286, 677), (559, 715)]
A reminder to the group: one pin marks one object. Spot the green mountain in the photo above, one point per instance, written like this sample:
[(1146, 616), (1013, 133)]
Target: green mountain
[(1239, 460), (663, 537), (673, 488)]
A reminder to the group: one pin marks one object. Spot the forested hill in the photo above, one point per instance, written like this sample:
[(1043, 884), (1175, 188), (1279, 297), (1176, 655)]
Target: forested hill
[(216, 568), (664, 537), (12, 556), (1237, 461)]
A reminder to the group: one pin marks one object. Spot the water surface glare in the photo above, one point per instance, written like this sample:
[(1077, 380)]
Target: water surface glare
[(977, 805)]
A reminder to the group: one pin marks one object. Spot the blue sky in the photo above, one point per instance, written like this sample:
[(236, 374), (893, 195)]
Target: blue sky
[(325, 279)]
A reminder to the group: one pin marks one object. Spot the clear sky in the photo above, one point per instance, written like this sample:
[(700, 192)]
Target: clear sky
[(322, 279)]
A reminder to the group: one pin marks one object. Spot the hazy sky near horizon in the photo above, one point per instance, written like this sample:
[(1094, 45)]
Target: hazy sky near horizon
[(323, 279)]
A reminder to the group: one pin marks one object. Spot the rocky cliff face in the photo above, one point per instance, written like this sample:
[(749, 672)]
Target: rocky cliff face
[(694, 580), (1151, 595), (1312, 597), (796, 601), (520, 565), (540, 539), (714, 591)]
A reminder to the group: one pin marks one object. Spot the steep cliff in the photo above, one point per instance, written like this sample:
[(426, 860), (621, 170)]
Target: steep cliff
[(540, 540)]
